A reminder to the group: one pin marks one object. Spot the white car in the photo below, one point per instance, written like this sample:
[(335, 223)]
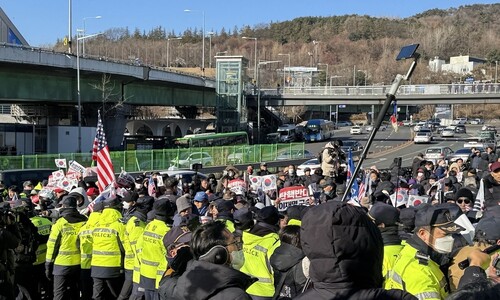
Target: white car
[(313, 164), (356, 130), (422, 137), (419, 126), (188, 159), (448, 132)]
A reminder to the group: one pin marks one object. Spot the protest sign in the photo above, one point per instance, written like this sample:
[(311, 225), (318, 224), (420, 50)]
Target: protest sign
[(292, 195)]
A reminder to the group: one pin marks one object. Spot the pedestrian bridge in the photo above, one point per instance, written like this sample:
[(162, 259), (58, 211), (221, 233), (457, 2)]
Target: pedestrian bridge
[(477, 93)]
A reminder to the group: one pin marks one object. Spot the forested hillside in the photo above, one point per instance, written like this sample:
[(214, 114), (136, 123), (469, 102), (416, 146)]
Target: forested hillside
[(343, 42)]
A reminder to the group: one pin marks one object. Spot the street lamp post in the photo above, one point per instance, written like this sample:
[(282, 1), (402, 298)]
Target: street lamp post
[(168, 48), (203, 39), (255, 55), (69, 25), (80, 38), (261, 63), (84, 28), (285, 54), (496, 71), (210, 33)]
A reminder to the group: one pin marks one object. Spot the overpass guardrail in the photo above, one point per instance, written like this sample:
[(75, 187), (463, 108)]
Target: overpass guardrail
[(162, 159), (381, 90)]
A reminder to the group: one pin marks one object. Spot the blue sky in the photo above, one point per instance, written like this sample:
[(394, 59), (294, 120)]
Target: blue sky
[(43, 22)]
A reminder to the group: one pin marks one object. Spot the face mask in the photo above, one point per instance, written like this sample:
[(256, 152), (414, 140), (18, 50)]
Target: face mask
[(126, 205), (444, 244), (138, 186), (291, 172), (237, 259), (420, 174)]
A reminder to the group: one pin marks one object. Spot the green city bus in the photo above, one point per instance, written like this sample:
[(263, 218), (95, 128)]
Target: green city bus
[(213, 139)]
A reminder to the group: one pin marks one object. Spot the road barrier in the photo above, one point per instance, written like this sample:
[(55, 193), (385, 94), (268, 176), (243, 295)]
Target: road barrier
[(162, 159)]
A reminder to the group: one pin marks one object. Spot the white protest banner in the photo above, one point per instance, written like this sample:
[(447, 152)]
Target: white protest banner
[(76, 167), (292, 195), (414, 200), (237, 185), (61, 163)]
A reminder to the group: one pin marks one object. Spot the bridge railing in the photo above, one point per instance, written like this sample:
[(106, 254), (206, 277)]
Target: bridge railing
[(162, 159), (381, 90)]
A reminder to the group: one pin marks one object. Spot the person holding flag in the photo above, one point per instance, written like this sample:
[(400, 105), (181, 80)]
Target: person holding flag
[(354, 192)]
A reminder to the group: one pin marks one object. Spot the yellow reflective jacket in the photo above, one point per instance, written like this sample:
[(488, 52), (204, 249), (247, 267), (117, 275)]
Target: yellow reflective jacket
[(86, 239), (421, 278), (257, 251), (391, 252), (153, 261), (43, 225), (63, 247), (133, 231), (107, 245)]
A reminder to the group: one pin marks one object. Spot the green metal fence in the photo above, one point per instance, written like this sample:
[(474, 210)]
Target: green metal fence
[(146, 160)]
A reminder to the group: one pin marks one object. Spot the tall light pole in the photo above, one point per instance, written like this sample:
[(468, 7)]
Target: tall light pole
[(168, 49), (80, 38), (261, 63), (84, 28), (255, 55), (203, 37), (210, 33), (285, 54), (496, 71), (70, 9)]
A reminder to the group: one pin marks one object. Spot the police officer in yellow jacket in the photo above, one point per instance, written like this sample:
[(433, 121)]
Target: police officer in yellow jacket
[(86, 251), (137, 210), (386, 217), (259, 244), (416, 269), (108, 252), (153, 261), (63, 254), (43, 226)]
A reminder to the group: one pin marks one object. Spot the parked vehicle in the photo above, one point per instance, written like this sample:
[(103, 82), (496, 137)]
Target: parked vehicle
[(287, 133), (460, 121), (435, 153), (476, 121), (313, 164), (344, 123), (295, 154), (188, 159), (18, 177), (184, 176), (463, 153)]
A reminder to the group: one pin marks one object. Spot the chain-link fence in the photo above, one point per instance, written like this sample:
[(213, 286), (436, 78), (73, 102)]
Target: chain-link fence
[(146, 160)]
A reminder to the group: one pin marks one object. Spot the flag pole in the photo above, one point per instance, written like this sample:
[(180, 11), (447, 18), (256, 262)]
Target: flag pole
[(406, 52)]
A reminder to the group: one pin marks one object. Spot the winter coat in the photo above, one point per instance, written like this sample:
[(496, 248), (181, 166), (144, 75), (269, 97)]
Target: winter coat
[(491, 191), (417, 162), (203, 280), (346, 251), (287, 261)]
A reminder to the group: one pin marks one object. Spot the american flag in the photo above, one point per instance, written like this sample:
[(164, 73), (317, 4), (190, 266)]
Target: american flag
[(394, 117), (100, 153), (151, 187)]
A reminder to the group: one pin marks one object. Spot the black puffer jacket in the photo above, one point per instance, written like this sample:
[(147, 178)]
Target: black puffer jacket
[(203, 280), (287, 261), (346, 252)]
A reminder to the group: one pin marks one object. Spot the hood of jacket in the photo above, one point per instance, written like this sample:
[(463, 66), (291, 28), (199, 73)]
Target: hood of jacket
[(285, 257), (344, 246), (202, 280), (110, 215)]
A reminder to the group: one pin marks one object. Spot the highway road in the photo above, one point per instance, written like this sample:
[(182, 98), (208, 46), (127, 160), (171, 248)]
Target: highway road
[(389, 145)]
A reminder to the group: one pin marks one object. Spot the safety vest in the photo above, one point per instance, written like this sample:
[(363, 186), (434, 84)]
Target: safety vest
[(417, 275), (133, 231), (62, 246), (107, 241), (391, 252), (43, 225), (257, 251), (294, 222), (86, 239), (153, 259), (229, 224)]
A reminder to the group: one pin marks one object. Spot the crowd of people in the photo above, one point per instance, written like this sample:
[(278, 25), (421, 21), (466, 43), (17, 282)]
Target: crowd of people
[(157, 237)]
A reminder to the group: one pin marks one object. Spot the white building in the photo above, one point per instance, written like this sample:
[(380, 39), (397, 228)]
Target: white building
[(463, 64)]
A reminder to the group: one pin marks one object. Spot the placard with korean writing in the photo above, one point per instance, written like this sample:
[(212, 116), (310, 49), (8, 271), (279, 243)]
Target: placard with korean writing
[(292, 195)]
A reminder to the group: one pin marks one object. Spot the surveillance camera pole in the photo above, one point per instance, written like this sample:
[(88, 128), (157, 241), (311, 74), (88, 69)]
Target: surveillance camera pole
[(391, 96)]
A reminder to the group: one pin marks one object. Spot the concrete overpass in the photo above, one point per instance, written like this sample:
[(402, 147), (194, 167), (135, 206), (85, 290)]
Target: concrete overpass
[(478, 93)]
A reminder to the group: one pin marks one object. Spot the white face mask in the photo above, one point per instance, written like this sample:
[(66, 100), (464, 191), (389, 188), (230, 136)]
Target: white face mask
[(291, 172), (126, 205), (420, 174), (237, 259), (444, 244), (138, 186)]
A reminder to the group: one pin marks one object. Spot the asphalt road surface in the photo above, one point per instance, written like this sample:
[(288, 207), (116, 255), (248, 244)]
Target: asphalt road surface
[(389, 144)]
